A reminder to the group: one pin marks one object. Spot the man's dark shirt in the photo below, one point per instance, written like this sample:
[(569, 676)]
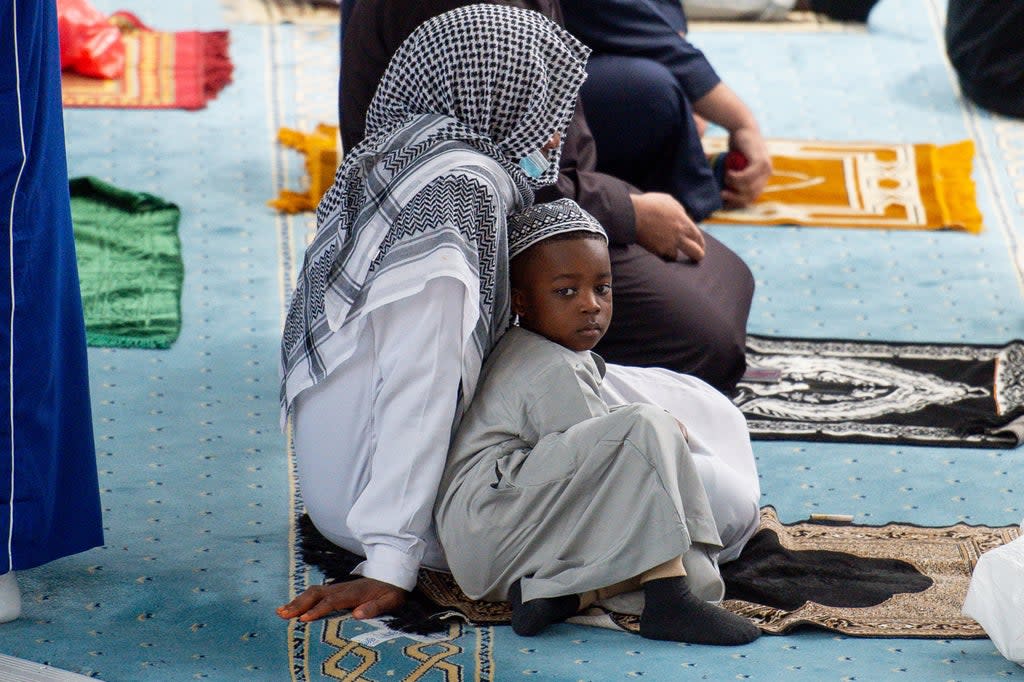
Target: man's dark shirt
[(375, 30)]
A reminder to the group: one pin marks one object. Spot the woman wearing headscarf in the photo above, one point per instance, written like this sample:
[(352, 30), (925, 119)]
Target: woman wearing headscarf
[(683, 297), (49, 496), (404, 288)]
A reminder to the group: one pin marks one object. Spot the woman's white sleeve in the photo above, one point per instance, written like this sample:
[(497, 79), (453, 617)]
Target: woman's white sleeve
[(418, 343)]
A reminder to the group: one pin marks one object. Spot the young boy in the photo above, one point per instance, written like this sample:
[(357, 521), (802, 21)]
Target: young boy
[(555, 501)]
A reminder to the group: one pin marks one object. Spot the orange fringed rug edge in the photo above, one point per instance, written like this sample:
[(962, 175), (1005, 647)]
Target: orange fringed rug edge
[(182, 70), (320, 151), (945, 173), (864, 185)]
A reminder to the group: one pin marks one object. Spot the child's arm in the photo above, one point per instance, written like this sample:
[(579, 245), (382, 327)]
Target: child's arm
[(561, 397)]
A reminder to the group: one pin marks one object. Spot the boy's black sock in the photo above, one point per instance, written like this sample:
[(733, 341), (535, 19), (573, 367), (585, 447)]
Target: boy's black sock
[(530, 618), (672, 612), (844, 10)]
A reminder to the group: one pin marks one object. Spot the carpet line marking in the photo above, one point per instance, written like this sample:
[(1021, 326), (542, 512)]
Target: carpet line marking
[(297, 633)]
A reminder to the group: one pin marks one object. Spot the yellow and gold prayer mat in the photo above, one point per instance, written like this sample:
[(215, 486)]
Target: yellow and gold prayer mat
[(182, 70), (892, 186)]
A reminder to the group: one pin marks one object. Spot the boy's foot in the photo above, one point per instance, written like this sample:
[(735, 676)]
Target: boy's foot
[(533, 616), (10, 597), (673, 613), (844, 10)]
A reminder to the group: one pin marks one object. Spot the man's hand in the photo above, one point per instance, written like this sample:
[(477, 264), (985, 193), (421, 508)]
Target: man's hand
[(664, 228), (366, 597), (743, 187), (723, 106)]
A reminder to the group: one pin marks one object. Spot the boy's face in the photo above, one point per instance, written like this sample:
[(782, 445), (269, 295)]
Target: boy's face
[(563, 291)]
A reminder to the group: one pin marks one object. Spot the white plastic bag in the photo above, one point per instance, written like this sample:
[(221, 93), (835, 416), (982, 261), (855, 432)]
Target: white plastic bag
[(995, 598)]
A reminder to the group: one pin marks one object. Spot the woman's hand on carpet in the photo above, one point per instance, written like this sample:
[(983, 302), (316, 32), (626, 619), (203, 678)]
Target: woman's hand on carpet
[(366, 597)]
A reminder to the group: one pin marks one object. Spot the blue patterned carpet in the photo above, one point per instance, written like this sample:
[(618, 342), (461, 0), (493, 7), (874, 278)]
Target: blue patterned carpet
[(197, 483)]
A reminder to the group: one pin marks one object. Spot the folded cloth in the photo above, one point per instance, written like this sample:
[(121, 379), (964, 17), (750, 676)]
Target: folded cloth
[(129, 265)]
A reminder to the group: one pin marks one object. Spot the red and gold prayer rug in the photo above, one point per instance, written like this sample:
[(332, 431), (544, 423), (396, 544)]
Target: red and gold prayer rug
[(836, 184), (180, 70)]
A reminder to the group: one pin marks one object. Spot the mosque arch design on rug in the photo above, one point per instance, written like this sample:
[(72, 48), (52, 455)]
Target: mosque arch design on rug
[(878, 392)]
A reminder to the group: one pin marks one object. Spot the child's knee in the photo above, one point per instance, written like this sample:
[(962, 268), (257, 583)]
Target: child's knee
[(646, 418)]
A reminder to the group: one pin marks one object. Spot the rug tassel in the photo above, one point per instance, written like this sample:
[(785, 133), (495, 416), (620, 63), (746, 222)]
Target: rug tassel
[(216, 62), (951, 173), (288, 201), (320, 151)]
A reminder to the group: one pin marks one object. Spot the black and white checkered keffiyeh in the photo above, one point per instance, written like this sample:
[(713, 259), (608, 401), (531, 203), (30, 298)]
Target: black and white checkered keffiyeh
[(543, 221), (428, 191)]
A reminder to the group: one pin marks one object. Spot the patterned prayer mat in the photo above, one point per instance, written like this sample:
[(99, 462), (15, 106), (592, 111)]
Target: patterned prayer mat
[(182, 70), (306, 12), (894, 186), (129, 265), (874, 392), (895, 580)]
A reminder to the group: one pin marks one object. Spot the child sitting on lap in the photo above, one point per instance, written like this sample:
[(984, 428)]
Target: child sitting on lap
[(555, 501)]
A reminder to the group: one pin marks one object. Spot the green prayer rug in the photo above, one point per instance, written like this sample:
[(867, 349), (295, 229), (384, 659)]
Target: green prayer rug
[(129, 265)]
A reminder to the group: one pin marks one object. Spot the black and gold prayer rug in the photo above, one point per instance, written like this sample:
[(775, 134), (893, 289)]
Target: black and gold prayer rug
[(962, 395), (896, 580)]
